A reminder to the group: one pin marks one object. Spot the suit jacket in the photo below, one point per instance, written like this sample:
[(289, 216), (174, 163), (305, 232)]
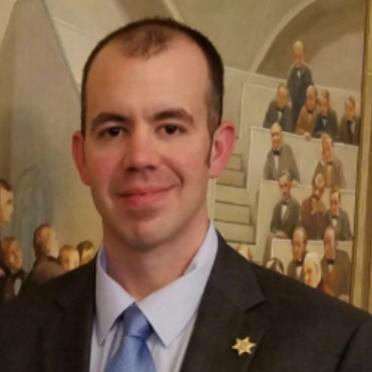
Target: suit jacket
[(345, 133), (305, 121), (338, 279), (336, 178), (343, 231), (294, 327), (289, 220), (286, 162), (272, 116), (331, 126), (297, 84), (292, 272), (313, 223)]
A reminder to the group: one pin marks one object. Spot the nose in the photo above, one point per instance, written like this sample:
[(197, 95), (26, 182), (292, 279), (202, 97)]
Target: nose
[(140, 151)]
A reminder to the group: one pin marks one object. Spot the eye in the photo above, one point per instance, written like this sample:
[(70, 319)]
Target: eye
[(171, 129), (111, 132)]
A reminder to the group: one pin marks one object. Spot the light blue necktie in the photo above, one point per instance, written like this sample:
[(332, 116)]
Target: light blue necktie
[(133, 354)]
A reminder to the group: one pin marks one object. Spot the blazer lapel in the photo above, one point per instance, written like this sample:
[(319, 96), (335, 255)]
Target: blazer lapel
[(227, 314), (68, 339)]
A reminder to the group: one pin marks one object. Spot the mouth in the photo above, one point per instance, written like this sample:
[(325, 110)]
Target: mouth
[(144, 197)]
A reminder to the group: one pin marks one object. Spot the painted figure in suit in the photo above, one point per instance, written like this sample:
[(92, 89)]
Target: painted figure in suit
[(285, 214), (299, 78), (280, 158), (279, 111), (329, 165), (6, 211), (313, 210), (337, 217), (349, 131), (306, 119), (295, 269), (336, 266), (46, 265), (12, 282), (326, 119), (151, 138)]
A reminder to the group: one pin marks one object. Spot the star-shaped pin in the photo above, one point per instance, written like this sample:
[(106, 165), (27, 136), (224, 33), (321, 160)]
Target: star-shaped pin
[(244, 346)]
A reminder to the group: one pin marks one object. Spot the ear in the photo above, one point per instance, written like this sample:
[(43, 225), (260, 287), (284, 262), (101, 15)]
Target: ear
[(223, 143), (78, 143)]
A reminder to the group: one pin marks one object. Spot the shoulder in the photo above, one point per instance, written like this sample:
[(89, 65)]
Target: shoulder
[(304, 306), (41, 301)]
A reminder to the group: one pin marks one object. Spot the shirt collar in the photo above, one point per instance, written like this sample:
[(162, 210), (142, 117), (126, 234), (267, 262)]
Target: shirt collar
[(170, 308)]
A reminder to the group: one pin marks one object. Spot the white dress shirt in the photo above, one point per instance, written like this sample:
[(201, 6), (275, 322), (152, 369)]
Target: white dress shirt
[(171, 311)]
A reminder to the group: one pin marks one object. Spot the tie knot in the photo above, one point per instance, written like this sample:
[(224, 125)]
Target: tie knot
[(136, 324)]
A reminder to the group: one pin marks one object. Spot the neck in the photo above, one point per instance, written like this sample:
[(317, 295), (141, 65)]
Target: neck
[(142, 272)]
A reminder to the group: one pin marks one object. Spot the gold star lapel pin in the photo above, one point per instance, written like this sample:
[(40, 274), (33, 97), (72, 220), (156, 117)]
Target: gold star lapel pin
[(244, 346)]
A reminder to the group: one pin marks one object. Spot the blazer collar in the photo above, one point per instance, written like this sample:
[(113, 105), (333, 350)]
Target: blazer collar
[(227, 312)]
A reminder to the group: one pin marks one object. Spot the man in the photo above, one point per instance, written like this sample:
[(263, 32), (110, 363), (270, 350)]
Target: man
[(306, 119), (46, 265), (87, 251), (6, 202), (350, 123), (69, 257), (313, 210), (6, 212), (280, 158), (164, 283), (286, 212), (285, 215), (299, 78), (326, 119), (336, 266), (279, 111), (11, 283), (299, 243), (330, 165), (337, 217)]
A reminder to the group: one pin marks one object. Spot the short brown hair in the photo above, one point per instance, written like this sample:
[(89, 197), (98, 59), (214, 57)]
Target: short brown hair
[(148, 37)]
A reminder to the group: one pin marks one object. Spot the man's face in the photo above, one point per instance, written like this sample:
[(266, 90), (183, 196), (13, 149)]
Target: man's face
[(87, 255), (335, 204), (349, 110), (276, 137), (323, 106), (329, 244), (13, 257), (69, 260), (6, 205), (298, 245), (298, 57), (147, 154), (285, 187), (318, 188), (281, 97)]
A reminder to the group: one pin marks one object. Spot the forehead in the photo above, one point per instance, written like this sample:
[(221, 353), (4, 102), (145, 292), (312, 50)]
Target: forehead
[(179, 70)]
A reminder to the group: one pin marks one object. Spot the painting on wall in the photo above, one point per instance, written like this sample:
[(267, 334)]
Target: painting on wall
[(299, 137)]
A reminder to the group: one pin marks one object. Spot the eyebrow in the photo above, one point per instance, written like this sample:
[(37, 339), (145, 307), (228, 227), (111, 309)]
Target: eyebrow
[(104, 117), (177, 113)]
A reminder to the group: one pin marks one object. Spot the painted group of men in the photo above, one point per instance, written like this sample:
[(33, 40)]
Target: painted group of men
[(151, 138), (300, 109), (50, 260)]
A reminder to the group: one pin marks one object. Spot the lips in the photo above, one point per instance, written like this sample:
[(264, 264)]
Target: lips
[(144, 196)]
